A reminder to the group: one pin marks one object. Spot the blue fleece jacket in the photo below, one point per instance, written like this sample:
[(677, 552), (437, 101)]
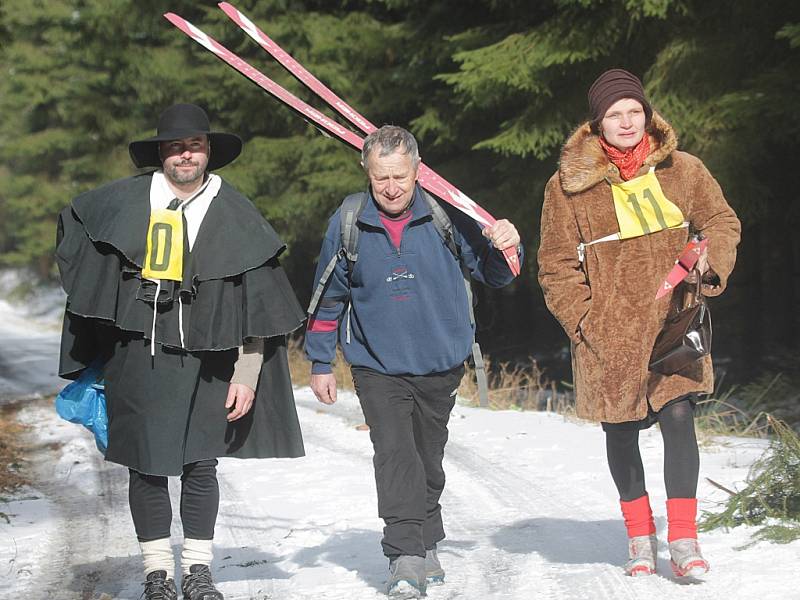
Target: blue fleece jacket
[(409, 311)]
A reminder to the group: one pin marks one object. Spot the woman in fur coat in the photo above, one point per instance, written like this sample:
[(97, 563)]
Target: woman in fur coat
[(616, 215)]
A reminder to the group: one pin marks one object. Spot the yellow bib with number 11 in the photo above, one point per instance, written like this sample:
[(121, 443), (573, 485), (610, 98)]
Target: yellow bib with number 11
[(164, 256), (642, 207)]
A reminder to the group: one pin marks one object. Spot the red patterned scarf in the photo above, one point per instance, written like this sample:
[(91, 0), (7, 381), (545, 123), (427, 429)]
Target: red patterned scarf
[(629, 161)]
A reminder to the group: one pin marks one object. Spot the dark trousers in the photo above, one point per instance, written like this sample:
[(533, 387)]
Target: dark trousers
[(407, 417), (151, 509), (681, 456)]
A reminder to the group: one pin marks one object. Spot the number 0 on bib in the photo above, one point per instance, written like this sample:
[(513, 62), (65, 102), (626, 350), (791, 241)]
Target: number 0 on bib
[(164, 256)]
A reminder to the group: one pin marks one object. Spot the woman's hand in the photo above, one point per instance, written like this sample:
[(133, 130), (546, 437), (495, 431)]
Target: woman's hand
[(701, 266)]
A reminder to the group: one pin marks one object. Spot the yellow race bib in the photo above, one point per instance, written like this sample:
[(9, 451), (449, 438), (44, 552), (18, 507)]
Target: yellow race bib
[(642, 207), (164, 256)]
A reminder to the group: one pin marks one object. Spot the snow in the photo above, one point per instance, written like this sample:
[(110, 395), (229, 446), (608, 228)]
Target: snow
[(28, 339), (529, 508), (37, 312)]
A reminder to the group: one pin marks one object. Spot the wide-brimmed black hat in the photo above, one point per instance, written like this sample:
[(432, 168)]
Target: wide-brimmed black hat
[(182, 121)]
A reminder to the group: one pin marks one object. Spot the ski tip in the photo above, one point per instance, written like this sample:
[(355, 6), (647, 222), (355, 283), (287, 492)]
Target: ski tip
[(179, 22), (230, 10)]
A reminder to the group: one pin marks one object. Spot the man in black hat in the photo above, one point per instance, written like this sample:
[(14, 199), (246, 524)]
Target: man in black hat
[(173, 285)]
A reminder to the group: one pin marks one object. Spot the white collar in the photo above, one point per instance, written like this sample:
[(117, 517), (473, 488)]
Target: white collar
[(194, 211)]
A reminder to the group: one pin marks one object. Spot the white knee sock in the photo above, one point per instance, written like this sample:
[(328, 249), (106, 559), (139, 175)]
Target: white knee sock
[(157, 556), (195, 552)]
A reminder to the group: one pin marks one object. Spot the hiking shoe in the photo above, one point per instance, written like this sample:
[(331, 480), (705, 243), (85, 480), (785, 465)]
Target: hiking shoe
[(406, 577), (197, 585), (686, 558), (642, 550), (158, 587), (434, 574)]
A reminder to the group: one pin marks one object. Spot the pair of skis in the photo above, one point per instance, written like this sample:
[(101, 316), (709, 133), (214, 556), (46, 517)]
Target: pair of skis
[(427, 177)]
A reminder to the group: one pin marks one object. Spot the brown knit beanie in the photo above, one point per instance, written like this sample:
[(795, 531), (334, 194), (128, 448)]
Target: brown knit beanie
[(613, 85)]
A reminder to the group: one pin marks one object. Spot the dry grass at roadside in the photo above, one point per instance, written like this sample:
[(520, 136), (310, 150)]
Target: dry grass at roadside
[(509, 387), (721, 416), (736, 412), (517, 388), (11, 449), (747, 410)]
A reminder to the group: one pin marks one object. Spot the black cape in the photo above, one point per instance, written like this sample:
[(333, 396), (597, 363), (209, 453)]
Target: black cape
[(168, 410)]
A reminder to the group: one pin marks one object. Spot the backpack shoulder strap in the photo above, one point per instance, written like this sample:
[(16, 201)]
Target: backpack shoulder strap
[(349, 211), (443, 224)]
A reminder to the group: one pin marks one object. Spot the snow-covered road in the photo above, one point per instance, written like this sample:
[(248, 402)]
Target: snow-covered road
[(529, 509), (29, 338), (28, 355)]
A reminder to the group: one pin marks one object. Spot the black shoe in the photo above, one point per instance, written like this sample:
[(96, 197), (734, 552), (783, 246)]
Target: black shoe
[(197, 585), (158, 587)]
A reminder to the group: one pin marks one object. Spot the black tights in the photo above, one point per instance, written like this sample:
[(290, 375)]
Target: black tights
[(681, 456), (152, 511)]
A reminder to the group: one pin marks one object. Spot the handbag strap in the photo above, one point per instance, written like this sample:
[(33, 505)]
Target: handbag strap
[(693, 295)]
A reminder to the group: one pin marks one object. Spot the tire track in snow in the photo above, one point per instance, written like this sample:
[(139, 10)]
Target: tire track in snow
[(91, 521), (513, 495), (231, 522), (521, 493), (472, 573), (481, 569)]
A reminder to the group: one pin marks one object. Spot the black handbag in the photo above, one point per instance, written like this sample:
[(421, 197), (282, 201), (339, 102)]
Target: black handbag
[(685, 338)]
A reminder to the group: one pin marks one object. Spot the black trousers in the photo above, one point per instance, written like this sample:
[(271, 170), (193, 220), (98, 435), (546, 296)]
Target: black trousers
[(151, 509), (681, 455), (407, 417)]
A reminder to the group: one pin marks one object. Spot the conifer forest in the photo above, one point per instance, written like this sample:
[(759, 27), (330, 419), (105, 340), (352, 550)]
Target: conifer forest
[(491, 89)]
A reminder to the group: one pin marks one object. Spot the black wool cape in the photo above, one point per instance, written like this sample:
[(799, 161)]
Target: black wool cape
[(168, 410)]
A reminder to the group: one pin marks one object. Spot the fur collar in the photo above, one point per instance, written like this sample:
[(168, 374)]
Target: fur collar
[(584, 163)]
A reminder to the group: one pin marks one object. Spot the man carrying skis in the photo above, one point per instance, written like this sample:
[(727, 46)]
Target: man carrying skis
[(404, 318), (173, 284)]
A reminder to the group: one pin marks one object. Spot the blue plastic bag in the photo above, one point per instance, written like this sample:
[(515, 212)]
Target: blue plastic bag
[(84, 401)]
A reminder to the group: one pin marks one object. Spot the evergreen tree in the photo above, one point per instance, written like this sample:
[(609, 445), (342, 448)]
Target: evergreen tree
[(86, 77), (724, 74), (490, 87)]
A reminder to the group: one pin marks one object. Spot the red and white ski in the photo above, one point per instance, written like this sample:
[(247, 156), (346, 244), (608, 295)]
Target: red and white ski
[(296, 69), (427, 178), (683, 266), (309, 113)]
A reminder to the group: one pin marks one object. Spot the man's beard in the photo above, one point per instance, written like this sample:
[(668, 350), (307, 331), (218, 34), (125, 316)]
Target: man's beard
[(182, 177)]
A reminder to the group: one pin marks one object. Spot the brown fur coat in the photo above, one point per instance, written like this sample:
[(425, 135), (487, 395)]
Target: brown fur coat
[(607, 304)]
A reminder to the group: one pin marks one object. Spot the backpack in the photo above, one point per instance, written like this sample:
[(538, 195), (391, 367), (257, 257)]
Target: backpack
[(351, 209)]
